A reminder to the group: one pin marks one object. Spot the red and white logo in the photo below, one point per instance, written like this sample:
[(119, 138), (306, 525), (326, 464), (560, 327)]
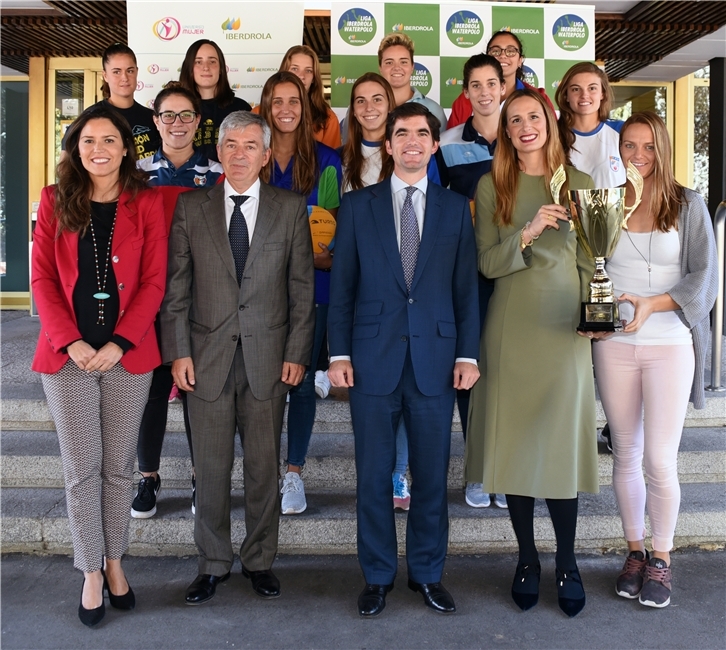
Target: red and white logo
[(167, 29)]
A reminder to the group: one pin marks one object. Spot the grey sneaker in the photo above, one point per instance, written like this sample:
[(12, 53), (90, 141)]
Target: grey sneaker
[(476, 497), (630, 580), (657, 587), (500, 501), (293, 494)]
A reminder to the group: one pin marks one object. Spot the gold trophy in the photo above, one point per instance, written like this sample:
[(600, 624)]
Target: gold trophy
[(599, 217)]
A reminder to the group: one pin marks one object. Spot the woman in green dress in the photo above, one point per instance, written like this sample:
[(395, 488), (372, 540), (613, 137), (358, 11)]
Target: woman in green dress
[(532, 416)]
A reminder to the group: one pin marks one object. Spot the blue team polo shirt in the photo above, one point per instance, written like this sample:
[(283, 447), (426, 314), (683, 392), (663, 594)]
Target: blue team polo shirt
[(198, 171)]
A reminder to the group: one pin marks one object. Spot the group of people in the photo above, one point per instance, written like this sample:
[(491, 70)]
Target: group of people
[(453, 274)]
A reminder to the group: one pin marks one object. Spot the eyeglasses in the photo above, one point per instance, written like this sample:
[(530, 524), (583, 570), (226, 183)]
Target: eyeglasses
[(497, 51), (169, 117)]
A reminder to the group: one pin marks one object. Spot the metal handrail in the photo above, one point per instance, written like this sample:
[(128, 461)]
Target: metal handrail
[(719, 227)]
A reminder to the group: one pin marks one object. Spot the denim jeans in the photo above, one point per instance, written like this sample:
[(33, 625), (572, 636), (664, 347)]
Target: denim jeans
[(301, 412)]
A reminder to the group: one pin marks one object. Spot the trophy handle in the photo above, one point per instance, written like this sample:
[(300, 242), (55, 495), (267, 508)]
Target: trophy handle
[(636, 180)]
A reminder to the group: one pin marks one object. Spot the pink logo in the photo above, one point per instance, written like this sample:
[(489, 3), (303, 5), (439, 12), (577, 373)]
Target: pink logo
[(139, 85), (167, 29), (153, 68)]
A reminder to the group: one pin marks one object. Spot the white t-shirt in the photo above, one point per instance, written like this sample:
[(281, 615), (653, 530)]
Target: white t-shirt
[(597, 153), (372, 164), (628, 269)]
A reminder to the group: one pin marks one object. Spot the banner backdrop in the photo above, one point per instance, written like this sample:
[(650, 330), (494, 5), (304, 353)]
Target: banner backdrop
[(445, 35), (253, 36)]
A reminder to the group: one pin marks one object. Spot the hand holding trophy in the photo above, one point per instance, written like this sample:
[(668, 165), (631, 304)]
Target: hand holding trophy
[(599, 217)]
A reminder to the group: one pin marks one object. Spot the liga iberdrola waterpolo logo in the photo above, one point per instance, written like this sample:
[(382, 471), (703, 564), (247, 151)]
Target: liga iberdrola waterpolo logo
[(421, 78), (464, 29), (357, 26), (570, 32), (167, 28), (530, 76)]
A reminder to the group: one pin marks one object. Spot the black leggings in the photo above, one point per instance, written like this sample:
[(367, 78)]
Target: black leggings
[(563, 513), (153, 424)]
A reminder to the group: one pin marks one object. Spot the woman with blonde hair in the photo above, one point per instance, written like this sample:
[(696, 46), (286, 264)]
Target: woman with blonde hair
[(664, 271), (303, 62), (303, 165), (532, 415), (590, 138)]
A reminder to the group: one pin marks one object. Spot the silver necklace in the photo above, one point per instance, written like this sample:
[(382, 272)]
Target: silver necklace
[(647, 261), (101, 294)]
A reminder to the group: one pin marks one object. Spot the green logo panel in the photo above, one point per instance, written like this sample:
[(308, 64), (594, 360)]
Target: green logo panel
[(345, 69), (419, 22), (554, 71), (452, 78), (526, 22)]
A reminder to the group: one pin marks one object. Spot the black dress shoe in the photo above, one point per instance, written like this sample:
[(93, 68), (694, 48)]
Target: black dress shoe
[(264, 583), (570, 592), (434, 595), (125, 601), (525, 586), (91, 617), (203, 588), (372, 600)]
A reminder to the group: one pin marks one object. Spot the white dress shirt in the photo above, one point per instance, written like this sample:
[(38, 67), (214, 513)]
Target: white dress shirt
[(249, 207), (398, 194)]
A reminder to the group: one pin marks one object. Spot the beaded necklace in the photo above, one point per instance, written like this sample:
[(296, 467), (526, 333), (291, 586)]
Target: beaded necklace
[(101, 294)]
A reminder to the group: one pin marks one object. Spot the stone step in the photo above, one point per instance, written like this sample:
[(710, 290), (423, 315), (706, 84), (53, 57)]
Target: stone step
[(35, 520), (24, 408), (32, 459)]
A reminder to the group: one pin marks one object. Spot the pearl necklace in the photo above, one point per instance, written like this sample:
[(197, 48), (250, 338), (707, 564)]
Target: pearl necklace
[(647, 261), (101, 294)]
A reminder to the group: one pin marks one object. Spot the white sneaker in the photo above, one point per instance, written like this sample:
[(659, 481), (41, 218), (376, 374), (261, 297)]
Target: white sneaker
[(476, 497), (293, 494), (322, 384), (500, 501)]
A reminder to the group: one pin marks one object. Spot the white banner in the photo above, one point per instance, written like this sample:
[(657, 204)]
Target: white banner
[(253, 36)]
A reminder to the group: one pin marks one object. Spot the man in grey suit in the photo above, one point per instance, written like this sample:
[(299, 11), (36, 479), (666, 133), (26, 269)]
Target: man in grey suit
[(237, 322)]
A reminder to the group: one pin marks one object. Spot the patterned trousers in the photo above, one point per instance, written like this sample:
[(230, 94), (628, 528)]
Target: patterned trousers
[(97, 417)]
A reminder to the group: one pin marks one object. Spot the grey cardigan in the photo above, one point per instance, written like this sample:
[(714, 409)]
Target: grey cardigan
[(696, 292)]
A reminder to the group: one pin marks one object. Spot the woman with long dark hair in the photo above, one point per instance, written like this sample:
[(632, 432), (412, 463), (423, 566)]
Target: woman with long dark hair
[(665, 273), (98, 278), (531, 420), (506, 48), (312, 169), (204, 72), (175, 168)]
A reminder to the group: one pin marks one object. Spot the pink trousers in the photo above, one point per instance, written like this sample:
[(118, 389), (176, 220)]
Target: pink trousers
[(644, 391)]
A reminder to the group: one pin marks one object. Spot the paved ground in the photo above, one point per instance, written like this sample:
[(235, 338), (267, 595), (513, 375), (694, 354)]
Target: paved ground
[(317, 608)]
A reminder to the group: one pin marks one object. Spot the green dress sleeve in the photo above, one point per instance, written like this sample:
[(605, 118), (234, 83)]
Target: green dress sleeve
[(498, 249), (328, 190)]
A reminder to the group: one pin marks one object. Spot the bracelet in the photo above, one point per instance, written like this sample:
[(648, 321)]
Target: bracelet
[(523, 244)]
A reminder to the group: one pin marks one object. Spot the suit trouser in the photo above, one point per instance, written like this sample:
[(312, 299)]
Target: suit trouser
[(428, 421), (213, 430), (97, 417)]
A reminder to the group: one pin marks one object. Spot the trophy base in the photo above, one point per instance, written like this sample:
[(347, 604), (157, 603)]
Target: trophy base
[(599, 317)]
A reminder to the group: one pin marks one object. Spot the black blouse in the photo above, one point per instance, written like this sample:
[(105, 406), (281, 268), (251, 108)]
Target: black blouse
[(84, 304)]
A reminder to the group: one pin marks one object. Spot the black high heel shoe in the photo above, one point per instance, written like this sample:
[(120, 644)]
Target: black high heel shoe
[(127, 601), (570, 592), (525, 587), (91, 617)]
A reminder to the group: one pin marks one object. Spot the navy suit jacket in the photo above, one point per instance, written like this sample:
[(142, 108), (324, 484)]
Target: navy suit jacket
[(373, 319)]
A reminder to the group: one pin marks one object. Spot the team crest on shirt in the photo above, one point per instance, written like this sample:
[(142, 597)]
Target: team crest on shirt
[(200, 181), (615, 163)]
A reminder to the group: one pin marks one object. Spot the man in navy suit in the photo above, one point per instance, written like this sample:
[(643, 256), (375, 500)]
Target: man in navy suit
[(403, 330)]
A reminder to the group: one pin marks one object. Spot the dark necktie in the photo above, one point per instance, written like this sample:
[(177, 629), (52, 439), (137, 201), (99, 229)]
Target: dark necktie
[(410, 239), (239, 236)]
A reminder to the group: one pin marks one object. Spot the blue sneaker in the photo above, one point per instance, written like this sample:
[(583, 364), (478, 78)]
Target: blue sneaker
[(401, 495)]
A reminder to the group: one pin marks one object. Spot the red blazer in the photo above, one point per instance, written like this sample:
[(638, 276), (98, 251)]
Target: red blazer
[(138, 253)]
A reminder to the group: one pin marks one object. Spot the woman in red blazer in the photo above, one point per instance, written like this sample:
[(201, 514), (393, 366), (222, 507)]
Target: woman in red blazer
[(98, 278)]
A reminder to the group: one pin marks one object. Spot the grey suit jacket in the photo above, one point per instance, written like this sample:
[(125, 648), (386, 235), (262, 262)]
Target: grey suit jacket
[(204, 311)]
